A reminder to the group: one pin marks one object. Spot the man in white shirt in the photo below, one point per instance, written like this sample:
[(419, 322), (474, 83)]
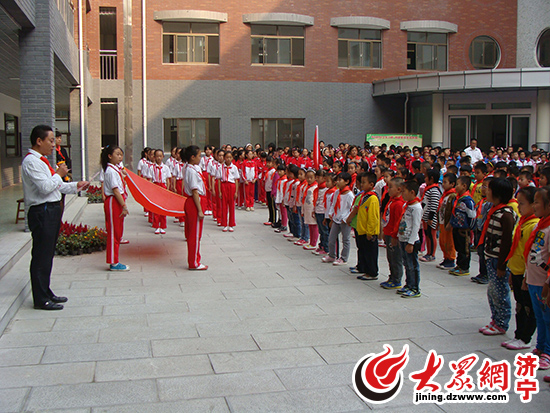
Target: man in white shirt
[(474, 152), (42, 187)]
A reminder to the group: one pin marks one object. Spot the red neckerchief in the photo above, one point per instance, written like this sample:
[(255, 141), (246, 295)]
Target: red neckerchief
[(475, 186), (494, 209), (479, 206), (45, 160), (300, 191), (353, 179), (464, 195), (158, 173), (225, 172), (513, 201), (337, 205), (58, 149), (305, 192), (517, 234), (543, 224), (406, 205), (289, 186), (316, 192), (329, 191), (370, 193), (427, 189), (391, 201), (447, 192)]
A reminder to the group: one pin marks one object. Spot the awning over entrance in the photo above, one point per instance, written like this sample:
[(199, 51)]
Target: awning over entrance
[(464, 81)]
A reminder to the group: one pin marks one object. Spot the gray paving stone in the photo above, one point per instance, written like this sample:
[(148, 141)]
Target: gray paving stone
[(100, 322), (89, 292), (169, 320), (251, 326), (338, 399), (50, 375), (28, 313), (298, 310), (317, 377), (459, 342), (47, 338), (217, 385), (305, 338), (132, 282), (137, 333), (265, 360), (20, 356), (11, 400), (396, 331), (261, 292), (202, 345), (145, 309), (218, 405), (110, 301), (30, 326), (464, 326), (334, 321), (96, 352), (318, 300), (92, 395), (150, 368)]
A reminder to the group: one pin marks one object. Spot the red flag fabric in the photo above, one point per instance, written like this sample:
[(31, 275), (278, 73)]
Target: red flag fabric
[(316, 150), (154, 198)]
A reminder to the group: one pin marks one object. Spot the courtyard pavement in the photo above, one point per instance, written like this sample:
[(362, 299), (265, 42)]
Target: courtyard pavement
[(267, 328)]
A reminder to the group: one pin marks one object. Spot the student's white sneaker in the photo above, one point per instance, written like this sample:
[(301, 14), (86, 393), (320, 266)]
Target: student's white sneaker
[(157, 231), (252, 208), (248, 208), (231, 229), (162, 231), (176, 221), (225, 229), (182, 224)]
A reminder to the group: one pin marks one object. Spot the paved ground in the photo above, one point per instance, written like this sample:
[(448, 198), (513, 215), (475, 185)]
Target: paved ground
[(267, 328)]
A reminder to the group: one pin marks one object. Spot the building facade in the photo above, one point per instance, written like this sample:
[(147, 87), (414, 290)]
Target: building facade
[(176, 72)]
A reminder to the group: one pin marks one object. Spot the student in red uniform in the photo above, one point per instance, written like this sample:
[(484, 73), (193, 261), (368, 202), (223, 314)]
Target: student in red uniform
[(216, 176), (194, 217), (115, 203), (204, 164), (161, 177), (250, 175), (229, 186), (270, 190)]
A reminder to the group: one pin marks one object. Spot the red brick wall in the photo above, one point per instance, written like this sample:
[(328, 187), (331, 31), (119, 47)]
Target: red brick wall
[(495, 18)]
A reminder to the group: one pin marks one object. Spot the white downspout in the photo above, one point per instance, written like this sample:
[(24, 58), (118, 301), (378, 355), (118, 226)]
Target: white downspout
[(144, 69), (82, 92)]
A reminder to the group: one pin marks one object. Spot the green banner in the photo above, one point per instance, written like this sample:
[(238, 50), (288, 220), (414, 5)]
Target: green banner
[(397, 139)]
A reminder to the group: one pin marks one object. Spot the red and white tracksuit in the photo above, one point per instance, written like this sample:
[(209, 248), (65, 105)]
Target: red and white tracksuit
[(193, 225), (250, 173)]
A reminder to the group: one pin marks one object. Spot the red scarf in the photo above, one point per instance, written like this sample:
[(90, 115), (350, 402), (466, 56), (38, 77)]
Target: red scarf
[(353, 179), (305, 192), (427, 189), (464, 195), (58, 149), (475, 186), (494, 209), (316, 192), (300, 192), (45, 160), (158, 174), (330, 191), (289, 186), (337, 205), (517, 234), (225, 172), (543, 223), (447, 192), (406, 205)]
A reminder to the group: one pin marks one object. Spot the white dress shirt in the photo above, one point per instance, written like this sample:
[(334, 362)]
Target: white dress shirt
[(475, 154), (193, 180), (39, 185), (113, 179)]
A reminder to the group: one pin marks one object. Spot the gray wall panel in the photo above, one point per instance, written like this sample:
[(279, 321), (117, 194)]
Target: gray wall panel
[(533, 18)]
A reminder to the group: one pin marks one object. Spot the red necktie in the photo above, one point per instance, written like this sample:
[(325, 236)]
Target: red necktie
[(45, 160)]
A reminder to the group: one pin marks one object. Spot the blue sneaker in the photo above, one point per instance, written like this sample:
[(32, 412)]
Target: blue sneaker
[(411, 294), (390, 285), (402, 290), (119, 267)]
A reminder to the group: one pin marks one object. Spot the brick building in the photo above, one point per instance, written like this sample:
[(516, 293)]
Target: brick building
[(175, 72)]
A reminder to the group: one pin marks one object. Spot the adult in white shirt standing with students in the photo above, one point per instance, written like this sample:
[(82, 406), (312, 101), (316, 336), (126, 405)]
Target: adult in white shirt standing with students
[(474, 152), (42, 187)]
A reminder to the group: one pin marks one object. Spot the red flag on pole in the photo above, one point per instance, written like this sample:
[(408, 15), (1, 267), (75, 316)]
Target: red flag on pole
[(316, 150)]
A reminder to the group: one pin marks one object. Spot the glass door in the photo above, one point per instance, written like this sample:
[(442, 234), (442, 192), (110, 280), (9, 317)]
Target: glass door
[(458, 131), (519, 132)]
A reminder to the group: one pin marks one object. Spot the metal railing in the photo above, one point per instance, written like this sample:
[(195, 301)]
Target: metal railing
[(67, 8), (108, 62)]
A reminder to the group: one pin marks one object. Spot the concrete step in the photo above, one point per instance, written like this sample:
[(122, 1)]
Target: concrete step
[(14, 277)]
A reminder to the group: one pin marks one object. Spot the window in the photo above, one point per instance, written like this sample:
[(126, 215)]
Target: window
[(11, 128), (190, 43), (277, 45), (359, 48), (484, 53), (185, 132), (543, 49), (426, 51), (281, 132), (108, 43)]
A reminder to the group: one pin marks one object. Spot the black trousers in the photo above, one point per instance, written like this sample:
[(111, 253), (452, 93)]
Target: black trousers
[(368, 251), (461, 238), (271, 208), (526, 323), (44, 222)]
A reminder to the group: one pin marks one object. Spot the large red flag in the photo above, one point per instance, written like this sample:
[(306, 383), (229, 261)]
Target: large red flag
[(316, 150), (154, 198)]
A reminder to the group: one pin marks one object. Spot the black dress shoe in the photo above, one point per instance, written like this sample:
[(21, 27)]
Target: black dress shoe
[(57, 299), (49, 305)]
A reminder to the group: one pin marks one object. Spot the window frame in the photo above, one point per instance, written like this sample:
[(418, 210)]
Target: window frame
[(193, 125), (484, 39), (278, 37), (16, 136), (434, 46), (263, 137), (348, 42), (544, 33), (190, 44)]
